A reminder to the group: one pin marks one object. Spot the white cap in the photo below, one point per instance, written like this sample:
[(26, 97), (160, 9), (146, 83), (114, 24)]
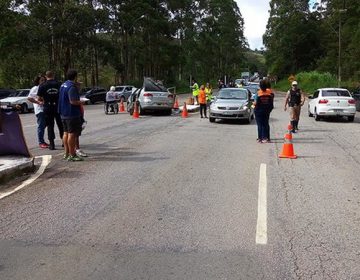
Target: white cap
[(112, 88), (294, 83)]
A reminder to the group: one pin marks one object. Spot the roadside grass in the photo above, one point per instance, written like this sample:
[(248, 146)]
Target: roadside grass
[(309, 81)]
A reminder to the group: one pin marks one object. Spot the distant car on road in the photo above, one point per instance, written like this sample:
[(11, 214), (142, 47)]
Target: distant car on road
[(123, 92), (232, 103), (332, 102), (95, 95), (18, 101), (254, 88), (152, 97)]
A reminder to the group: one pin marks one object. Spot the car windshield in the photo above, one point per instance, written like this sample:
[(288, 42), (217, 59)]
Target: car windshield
[(253, 90), (335, 93), (22, 93), (233, 94), (13, 94), (119, 88)]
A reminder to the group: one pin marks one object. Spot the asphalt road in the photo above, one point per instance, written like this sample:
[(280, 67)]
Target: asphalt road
[(163, 197)]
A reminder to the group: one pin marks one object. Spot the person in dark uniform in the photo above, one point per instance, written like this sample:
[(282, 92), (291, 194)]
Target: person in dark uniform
[(48, 93), (294, 99)]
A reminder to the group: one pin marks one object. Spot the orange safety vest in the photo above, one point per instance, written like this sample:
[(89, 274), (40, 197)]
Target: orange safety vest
[(202, 97)]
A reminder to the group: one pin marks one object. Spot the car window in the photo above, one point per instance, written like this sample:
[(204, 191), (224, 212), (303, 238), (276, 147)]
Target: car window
[(128, 88), (335, 93), (233, 94), (119, 88), (316, 94), (151, 85)]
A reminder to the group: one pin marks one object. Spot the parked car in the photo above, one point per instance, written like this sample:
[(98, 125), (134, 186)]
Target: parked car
[(18, 101), (123, 92), (95, 95), (356, 96), (7, 92), (232, 103), (332, 102), (151, 97)]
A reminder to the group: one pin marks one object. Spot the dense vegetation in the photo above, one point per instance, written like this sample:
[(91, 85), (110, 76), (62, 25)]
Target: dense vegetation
[(114, 42), (301, 38)]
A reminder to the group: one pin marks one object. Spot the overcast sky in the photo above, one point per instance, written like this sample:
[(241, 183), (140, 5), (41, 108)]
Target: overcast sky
[(256, 15)]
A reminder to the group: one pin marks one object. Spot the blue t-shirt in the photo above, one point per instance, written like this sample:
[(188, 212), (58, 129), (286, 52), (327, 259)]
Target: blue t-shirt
[(69, 91)]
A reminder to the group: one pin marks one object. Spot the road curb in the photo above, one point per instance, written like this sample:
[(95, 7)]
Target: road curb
[(13, 166)]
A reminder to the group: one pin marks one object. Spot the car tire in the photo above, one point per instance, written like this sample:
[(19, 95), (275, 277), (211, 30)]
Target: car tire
[(24, 108), (248, 120), (131, 111), (350, 118), (316, 116), (211, 120), (92, 101), (141, 111), (168, 112), (310, 115)]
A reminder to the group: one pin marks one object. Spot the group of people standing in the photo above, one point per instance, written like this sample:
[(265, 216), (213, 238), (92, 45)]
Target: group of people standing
[(60, 103), (202, 95)]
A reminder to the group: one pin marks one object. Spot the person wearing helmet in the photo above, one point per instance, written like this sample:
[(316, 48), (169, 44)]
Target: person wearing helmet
[(111, 98), (294, 100)]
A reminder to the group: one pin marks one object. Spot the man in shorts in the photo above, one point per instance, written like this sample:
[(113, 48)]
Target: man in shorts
[(70, 112)]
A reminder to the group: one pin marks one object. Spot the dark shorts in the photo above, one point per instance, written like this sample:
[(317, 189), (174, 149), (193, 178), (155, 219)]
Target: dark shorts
[(73, 125)]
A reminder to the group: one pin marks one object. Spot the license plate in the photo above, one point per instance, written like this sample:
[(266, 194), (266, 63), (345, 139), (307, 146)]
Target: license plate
[(228, 113), (338, 110)]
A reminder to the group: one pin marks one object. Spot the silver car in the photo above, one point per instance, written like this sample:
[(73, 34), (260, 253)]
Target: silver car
[(232, 103), (152, 97)]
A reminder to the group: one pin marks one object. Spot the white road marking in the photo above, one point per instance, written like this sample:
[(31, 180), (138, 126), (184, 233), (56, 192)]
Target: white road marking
[(261, 227), (45, 162)]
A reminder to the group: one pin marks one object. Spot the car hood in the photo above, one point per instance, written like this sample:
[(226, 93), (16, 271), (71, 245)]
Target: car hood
[(230, 102), (13, 99)]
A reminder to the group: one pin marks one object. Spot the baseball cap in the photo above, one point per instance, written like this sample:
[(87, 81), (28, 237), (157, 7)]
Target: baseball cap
[(112, 88), (294, 83)]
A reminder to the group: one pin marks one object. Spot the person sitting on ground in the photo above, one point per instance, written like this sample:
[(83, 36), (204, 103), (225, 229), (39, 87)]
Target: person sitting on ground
[(111, 99)]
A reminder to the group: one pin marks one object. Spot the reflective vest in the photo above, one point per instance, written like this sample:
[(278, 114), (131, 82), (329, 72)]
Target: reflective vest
[(208, 92), (264, 100), (294, 97), (202, 97), (195, 89)]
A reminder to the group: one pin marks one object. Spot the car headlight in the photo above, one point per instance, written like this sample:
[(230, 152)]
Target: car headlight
[(243, 107)]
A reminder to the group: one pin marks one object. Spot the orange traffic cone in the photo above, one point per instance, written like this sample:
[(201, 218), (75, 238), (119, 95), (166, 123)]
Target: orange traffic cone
[(288, 148), (176, 104), (184, 111), (122, 107), (136, 114)]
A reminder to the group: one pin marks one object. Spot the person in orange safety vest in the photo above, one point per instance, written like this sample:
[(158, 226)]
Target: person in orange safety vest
[(202, 101)]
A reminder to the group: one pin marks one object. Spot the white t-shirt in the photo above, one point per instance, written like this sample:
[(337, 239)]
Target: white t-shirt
[(33, 93)]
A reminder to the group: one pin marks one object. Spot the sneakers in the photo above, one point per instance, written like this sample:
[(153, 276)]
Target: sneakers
[(75, 158), (44, 145), (65, 156), (80, 153)]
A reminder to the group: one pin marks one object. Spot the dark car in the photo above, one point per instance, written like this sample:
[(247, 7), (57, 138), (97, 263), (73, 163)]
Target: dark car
[(95, 95), (356, 96), (7, 92)]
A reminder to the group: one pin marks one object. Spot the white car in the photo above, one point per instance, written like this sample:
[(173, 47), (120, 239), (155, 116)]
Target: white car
[(332, 102), (18, 102)]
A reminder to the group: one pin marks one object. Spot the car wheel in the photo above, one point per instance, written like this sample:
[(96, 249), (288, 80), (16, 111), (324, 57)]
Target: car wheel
[(131, 111), (350, 118), (141, 111), (317, 117), (309, 113), (24, 108), (92, 101), (168, 112), (211, 119)]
